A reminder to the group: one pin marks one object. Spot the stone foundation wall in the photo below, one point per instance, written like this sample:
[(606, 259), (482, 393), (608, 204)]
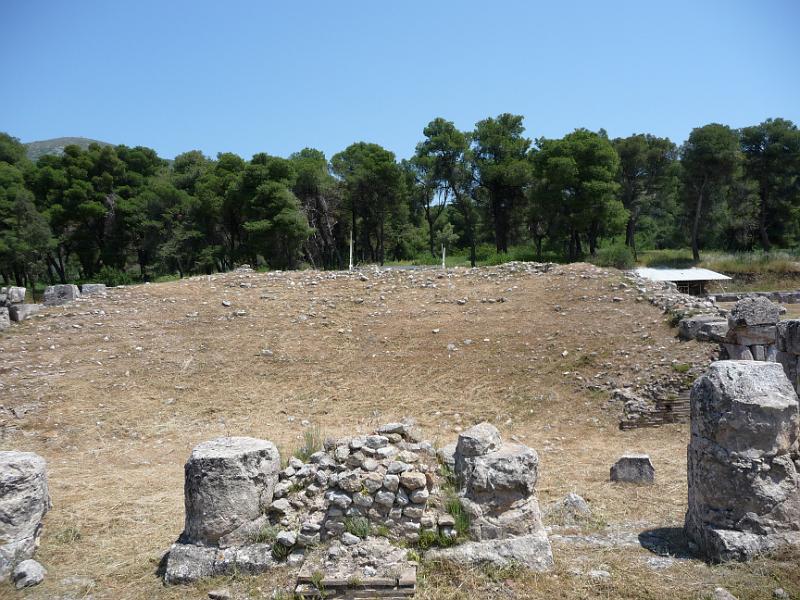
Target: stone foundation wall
[(788, 355)]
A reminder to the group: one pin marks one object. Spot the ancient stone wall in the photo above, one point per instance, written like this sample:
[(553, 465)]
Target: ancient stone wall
[(752, 330), (244, 511)]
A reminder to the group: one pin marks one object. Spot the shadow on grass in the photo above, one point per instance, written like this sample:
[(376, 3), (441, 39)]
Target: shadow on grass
[(666, 541)]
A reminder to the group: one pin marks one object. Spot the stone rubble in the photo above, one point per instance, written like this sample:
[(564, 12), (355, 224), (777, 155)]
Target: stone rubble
[(752, 331)]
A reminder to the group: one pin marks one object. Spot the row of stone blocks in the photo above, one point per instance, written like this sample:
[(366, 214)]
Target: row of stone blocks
[(14, 308)]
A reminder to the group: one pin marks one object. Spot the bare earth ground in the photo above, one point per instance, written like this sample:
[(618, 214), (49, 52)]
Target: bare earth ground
[(114, 392)]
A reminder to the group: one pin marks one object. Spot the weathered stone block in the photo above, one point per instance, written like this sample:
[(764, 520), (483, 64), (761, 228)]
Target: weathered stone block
[(531, 551), (27, 574), (689, 327), (60, 294), (788, 337), (744, 488), (5, 321), (93, 289), (750, 336), (477, 440), (633, 468), (749, 312), (228, 482), (15, 295), (24, 500), (20, 312)]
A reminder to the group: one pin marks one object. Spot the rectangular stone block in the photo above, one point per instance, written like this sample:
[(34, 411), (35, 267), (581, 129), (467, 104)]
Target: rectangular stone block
[(788, 336), (16, 295), (93, 289), (755, 334), (5, 322), (60, 294), (20, 312)]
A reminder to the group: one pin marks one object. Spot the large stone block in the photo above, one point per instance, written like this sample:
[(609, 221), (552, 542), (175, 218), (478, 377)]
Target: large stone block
[(749, 312), (15, 295), (20, 312), (24, 500), (55, 295), (750, 336), (788, 336), (5, 321), (744, 488), (228, 482), (93, 289), (531, 551), (689, 328)]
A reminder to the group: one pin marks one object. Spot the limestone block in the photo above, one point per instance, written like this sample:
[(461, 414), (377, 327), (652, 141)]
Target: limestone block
[(55, 295), (20, 312), (633, 468), (749, 312), (477, 440), (93, 289), (228, 482), (789, 336), (744, 488), (24, 500)]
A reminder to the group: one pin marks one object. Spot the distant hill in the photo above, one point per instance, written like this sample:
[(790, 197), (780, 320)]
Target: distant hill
[(57, 145)]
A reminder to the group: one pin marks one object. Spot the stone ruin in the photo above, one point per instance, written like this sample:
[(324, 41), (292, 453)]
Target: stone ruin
[(13, 306), (24, 500), (350, 512), (743, 461), (752, 330)]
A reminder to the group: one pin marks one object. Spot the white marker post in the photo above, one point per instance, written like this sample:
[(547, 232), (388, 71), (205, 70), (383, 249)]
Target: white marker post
[(351, 250), (443, 255)]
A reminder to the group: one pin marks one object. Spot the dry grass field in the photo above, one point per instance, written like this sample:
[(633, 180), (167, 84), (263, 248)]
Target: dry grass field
[(114, 392)]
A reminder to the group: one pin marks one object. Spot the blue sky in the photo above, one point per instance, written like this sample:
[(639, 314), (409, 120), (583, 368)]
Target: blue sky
[(267, 76)]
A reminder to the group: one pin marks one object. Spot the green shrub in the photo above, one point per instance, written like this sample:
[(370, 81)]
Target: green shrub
[(280, 552), (111, 277), (265, 535), (461, 517), (312, 442), (618, 256), (358, 526)]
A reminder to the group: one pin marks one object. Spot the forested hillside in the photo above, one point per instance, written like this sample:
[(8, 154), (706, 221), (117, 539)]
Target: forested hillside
[(117, 214)]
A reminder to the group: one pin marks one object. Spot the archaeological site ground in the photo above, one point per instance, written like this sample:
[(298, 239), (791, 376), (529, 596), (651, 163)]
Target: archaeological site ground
[(567, 368)]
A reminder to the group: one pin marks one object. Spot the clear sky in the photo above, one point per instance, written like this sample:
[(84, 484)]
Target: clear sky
[(251, 76)]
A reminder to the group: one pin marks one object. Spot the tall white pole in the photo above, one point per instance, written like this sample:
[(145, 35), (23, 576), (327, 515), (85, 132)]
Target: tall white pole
[(443, 255), (351, 250)]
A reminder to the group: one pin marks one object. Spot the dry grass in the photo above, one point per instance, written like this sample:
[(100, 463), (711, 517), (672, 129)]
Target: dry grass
[(116, 405)]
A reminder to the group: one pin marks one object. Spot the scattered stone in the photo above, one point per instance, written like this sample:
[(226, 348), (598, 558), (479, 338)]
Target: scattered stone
[(27, 574), (721, 593), (221, 594), (633, 468)]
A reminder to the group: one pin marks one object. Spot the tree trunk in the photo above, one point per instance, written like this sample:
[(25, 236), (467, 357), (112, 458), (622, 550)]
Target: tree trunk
[(696, 227), (762, 220)]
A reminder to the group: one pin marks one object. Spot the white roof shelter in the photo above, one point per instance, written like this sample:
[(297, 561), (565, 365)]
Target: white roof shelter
[(679, 275)]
